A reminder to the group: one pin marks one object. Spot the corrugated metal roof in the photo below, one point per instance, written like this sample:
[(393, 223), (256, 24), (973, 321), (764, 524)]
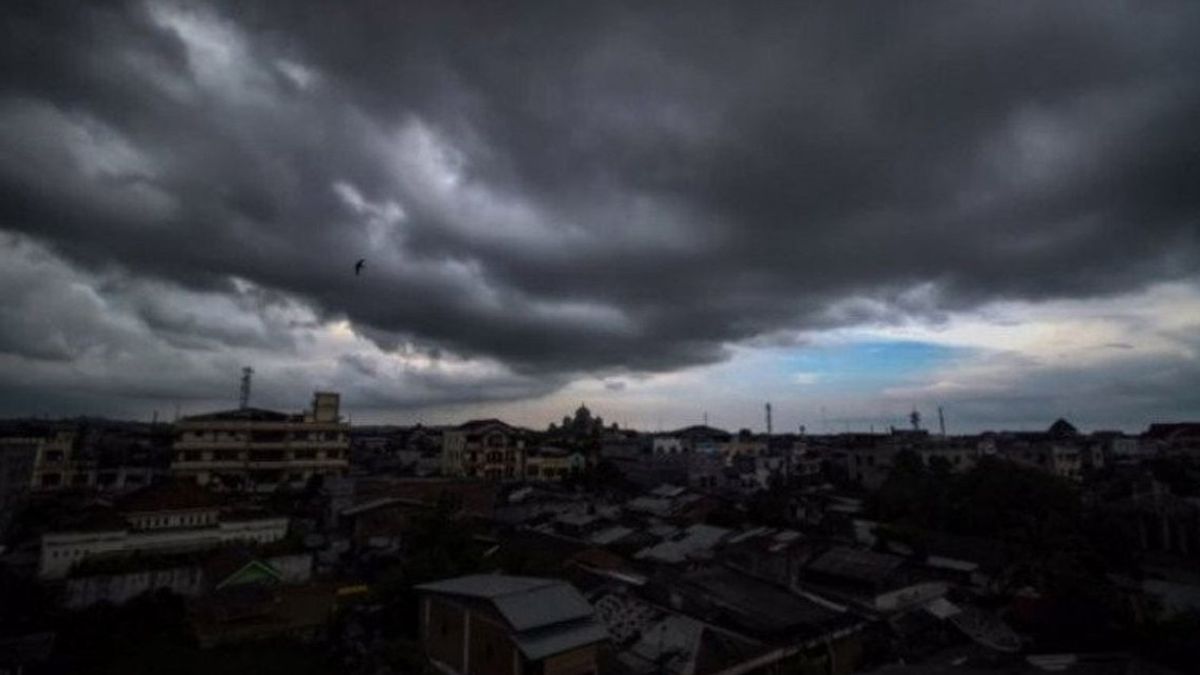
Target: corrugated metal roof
[(540, 644), (610, 535), (543, 606), (525, 602), (856, 564), (486, 585)]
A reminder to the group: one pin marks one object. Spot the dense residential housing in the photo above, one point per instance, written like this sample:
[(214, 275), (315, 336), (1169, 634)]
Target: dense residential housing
[(250, 449), (695, 552)]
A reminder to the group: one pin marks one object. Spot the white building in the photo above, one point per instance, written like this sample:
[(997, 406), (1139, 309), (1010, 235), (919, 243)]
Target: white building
[(668, 445), (163, 518)]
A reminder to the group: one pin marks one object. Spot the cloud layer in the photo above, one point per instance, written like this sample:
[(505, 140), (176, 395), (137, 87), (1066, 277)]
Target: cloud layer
[(565, 193)]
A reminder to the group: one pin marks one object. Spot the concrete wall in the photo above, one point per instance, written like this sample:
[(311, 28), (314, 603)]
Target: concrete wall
[(120, 588), (188, 581)]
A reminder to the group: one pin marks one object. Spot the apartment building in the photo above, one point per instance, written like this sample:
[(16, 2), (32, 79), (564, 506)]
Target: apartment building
[(484, 449), (251, 449)]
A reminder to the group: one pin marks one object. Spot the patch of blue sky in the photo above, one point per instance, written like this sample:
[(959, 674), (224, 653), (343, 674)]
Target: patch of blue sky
[(879, 361), (864, 367)]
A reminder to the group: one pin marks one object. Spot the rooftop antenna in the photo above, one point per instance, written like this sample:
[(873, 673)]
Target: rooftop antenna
[(942, 421), (244, 399), (705, 418), (768, 419)]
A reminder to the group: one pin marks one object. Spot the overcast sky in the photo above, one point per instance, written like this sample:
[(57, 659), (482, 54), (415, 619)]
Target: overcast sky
[(660, 209)]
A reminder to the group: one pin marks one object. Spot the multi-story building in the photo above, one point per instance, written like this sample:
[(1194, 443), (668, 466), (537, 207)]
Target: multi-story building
[(57, 463), (484, 449), (259, 450), (169, 517), (90, 453), (17, 456)]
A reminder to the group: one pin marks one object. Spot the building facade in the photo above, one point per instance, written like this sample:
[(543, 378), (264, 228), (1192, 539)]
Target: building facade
[(484, 449), (259, 450), (165, 518), (553, 464)]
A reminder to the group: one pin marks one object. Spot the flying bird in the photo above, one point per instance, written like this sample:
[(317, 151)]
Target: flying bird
[(358, 266)]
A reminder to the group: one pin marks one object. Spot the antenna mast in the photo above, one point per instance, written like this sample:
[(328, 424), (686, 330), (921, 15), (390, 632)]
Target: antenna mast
[(942, 421), (244, 398)]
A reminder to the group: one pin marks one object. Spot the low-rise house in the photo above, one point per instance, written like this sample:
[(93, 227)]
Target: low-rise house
[(958, 457), (553, 464), (695, 543), (505, 625), (652, 640), (796, 632), (163, 518), (1062, 459), (117, 580), (253, 603), (878, 582), (1179, 438)]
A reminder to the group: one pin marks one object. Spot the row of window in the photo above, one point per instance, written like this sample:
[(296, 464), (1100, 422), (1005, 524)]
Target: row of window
[(260, 455), (187, 520), (263, 436)]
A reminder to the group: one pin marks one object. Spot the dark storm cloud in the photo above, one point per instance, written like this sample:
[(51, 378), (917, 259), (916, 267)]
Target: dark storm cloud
[(618, 186)]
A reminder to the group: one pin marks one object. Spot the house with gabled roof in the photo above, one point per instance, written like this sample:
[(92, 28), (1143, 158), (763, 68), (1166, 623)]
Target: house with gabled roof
[(491, 624)]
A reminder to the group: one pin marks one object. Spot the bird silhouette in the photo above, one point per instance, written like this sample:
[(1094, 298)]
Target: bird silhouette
[(358, 266)]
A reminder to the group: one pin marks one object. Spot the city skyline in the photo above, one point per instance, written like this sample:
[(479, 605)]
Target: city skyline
[(660, 211)]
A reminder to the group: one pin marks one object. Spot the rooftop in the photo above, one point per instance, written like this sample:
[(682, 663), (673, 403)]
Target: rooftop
[(525, 602), (760, 607), (241, 415), (856, 564), (169, 496), (548, 615)]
